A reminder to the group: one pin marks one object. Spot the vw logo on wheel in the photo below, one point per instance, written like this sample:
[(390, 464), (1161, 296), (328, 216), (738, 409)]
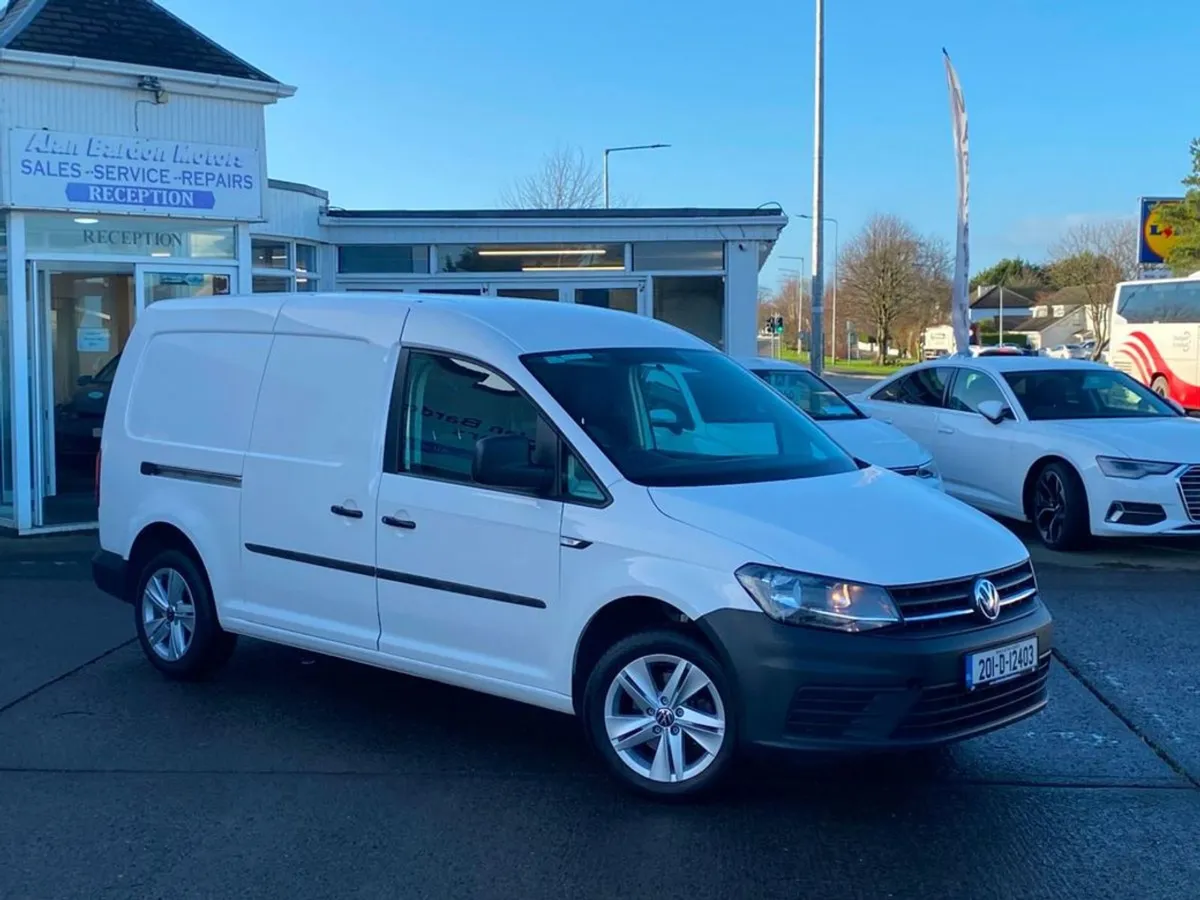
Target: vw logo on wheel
[(987, 599)]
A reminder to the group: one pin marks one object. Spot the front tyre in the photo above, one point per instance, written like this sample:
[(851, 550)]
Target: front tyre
[(1160, 386), (1060, 508), (659, 709), (176, 619)]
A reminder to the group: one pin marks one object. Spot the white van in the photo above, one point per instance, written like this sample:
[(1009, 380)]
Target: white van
[(508, 496)]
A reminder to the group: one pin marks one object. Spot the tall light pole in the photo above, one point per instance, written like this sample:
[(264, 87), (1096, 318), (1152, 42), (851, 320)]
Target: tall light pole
[(817, 354), (609, 150), (799, 302), (836, 284)]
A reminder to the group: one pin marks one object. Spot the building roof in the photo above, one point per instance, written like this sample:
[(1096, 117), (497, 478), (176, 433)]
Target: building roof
[(633, 213), (1041, 323), (136, 32), (991, 298)]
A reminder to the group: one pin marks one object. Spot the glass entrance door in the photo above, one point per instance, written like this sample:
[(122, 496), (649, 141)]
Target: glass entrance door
[(81, 320)]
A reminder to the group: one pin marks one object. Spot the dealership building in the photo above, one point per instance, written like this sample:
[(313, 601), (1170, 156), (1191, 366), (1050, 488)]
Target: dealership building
[(134, 169)]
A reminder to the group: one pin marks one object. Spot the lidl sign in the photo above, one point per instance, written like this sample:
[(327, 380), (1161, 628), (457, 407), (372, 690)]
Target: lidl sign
[(1155, 237)]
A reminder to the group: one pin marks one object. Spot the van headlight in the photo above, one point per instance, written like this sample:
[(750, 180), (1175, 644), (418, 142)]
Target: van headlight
[(798, 599)]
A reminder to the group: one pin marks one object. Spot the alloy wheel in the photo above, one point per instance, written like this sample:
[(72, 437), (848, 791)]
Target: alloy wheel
[(1050, 507), (664, 718), (168, 614)]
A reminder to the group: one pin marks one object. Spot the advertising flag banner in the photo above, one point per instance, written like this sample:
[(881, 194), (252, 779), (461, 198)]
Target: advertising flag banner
[(960, 311)]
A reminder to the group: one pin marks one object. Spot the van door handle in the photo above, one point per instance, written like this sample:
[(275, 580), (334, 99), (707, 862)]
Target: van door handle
[(338, 510), (945, 429), (399, 523)]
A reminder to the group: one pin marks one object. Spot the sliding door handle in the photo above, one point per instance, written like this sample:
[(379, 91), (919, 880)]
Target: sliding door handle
[(338, 510), (399, 523)]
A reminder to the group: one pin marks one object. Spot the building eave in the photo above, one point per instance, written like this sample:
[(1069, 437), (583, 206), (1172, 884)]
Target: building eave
[(110, 74)]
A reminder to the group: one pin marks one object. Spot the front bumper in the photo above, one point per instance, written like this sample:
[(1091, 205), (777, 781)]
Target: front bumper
[(1131, 507), (805, 689)]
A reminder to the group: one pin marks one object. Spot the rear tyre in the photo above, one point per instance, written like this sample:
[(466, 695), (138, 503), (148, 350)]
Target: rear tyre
[(1161, 386), (660, 710), (1060, 508), (176, 619)]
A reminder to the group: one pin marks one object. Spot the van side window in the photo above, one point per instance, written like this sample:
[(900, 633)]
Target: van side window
[(578, 482), (449, 404)]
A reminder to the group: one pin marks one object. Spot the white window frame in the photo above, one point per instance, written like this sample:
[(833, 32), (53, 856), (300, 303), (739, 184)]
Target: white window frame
[(291, 275)]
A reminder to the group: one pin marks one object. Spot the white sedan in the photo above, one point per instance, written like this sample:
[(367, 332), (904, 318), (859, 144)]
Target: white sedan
[(867, 439), (1076, 447)]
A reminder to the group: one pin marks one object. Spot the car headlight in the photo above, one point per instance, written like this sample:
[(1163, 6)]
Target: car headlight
[(928, 470), (798, 599), (1116, 467)]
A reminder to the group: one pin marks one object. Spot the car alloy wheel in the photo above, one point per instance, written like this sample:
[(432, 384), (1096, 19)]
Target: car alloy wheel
[(168, 614), (665, 718), (1050, 507)]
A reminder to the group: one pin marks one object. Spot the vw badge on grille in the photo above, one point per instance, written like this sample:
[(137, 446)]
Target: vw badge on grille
[(987, 599)]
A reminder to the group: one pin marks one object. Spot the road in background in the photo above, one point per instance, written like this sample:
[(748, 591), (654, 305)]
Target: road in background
[(306, 777)]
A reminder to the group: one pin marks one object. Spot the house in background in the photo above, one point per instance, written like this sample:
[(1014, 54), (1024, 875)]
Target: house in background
[(991, 302), (1062, 318)]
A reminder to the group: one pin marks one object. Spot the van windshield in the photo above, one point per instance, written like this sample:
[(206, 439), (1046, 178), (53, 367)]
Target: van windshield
[(673, 418)]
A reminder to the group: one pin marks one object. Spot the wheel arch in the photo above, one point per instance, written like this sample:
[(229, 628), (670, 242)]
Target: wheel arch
[(619, 618), (1032, 475), (155, 537)]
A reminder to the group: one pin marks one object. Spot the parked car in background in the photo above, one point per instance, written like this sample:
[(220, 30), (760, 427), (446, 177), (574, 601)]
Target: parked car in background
[(867, 439), (78, 420), (1075, 447), (567, 506)]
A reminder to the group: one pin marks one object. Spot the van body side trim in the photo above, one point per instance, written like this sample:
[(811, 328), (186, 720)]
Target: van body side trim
[(311, 559), (202, 476), (436, 584)]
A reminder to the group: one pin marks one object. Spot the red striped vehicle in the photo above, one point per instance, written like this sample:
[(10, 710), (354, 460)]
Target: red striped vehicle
[(1155, 336)]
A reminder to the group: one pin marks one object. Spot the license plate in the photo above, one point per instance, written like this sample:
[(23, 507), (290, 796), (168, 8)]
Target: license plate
[(96, 432), (1002, 663)]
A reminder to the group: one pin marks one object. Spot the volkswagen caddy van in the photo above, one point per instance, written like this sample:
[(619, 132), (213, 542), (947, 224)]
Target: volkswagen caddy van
[(509, 496)]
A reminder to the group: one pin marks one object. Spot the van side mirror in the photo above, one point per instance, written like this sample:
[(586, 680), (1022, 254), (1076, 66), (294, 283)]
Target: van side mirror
[(506, 461), (995, 411)]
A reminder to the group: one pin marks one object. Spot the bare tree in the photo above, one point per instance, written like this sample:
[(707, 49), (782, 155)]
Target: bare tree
[(566, 179), (891, 276), (1093, 258)]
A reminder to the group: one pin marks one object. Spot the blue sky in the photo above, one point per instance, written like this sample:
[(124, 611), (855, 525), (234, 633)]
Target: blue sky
[(1075, 108)]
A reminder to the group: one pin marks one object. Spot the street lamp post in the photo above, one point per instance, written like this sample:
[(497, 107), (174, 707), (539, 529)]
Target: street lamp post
[(799, 303), (817, 353), (836, 283), (609, 150)]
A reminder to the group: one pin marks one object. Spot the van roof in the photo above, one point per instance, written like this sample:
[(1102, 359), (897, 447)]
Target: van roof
[(530, 326)]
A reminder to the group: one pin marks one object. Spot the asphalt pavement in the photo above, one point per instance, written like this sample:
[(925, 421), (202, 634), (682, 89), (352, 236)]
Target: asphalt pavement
[(303, 777)]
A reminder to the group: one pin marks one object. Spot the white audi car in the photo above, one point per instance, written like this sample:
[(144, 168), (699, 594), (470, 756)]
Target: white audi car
[(1075, 447), (867, 439)]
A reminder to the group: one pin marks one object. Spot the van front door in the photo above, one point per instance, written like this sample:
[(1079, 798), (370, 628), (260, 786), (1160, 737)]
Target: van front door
[(467, 575)]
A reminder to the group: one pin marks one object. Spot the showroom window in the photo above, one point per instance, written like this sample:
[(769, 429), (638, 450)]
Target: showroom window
[(383, 259), (679, 256), (696, 304), (282, 266), (590, 257)]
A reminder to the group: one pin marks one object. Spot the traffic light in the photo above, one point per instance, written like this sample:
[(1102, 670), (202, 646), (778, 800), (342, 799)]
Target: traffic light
[(777, 324)]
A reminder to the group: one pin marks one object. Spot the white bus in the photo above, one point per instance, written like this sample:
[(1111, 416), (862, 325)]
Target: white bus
[(1155, 336)]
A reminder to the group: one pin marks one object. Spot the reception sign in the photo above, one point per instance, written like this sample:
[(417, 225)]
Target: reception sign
[(57, 170)]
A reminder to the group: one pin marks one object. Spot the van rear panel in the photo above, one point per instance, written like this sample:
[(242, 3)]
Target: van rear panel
[(176, 432)]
